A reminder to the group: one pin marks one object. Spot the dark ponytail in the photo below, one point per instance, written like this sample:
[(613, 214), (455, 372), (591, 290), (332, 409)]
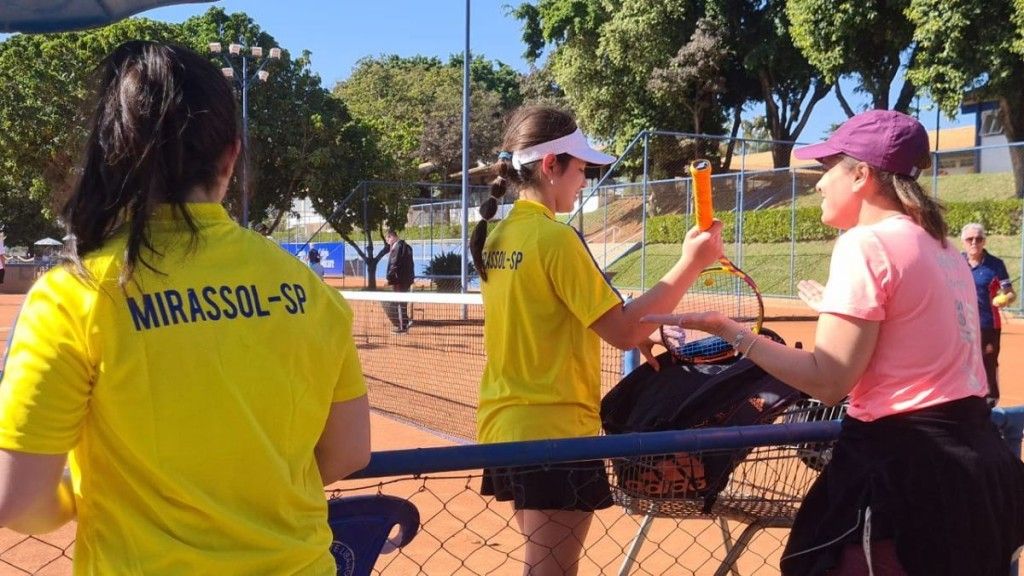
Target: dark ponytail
[(163, 118), (528, 126)]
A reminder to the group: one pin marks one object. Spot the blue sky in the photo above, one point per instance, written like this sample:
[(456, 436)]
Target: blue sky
[(340, 32)]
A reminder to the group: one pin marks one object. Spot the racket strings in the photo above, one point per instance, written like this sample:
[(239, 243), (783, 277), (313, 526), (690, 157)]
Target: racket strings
[(726, 291)]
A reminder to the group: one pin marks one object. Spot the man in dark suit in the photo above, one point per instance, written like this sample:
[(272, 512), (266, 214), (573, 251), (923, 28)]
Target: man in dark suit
[(400, 275)]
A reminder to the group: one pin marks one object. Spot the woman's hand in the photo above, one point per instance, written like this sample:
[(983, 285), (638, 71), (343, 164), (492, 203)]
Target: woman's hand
[(711, 322), (810, 292), (704, 247)]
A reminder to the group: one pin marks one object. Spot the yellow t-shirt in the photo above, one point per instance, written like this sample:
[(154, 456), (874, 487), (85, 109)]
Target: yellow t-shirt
[(191, 402), (543, 291)]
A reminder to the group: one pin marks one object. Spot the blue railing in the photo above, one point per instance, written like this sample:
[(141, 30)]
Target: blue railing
[(539, 452), (419, 461)]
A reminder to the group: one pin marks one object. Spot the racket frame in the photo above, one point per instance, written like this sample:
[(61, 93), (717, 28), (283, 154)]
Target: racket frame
[(728, 350)]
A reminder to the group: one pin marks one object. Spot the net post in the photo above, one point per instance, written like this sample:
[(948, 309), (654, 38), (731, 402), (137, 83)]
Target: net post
[(630, 360), (631, 357)]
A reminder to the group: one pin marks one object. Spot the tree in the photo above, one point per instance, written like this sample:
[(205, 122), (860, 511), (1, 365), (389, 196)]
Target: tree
[(788, 85), (975, 47), (298, 133), (603, 54), (756, 128), (305, 143), (42, 117), (493, 76), (638, 64), (869, 40), (694, 78), (539, 88), (360, 212), (441, 139), (23, 218), (415, 106)]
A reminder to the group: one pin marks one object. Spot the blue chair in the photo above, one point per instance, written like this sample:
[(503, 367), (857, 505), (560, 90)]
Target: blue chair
[(361, 526)]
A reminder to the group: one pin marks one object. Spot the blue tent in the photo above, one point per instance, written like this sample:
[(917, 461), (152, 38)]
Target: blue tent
[(31, 16)]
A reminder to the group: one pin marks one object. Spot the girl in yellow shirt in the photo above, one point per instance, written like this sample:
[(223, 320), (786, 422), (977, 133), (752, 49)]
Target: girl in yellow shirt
[(547, 306)]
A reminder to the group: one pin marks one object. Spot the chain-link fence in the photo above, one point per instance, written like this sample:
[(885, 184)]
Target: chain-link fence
[(635, 215), (668, 516)]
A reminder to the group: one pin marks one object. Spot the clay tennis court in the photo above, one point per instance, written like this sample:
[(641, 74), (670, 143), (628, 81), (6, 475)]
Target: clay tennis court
[(447, 506)]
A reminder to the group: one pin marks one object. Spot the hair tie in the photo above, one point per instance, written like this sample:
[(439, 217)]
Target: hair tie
[(504, 155)]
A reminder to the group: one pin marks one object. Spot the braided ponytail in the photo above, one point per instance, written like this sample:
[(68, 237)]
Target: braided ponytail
[(488, 210)]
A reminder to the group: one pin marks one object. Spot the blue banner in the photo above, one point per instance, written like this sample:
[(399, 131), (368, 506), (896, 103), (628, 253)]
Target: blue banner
[(332, 255)]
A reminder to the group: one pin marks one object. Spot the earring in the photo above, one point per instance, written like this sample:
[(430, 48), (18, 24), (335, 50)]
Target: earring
[(552, 181)]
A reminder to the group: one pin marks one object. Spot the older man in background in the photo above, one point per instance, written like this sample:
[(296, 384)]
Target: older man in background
[(995, 290)]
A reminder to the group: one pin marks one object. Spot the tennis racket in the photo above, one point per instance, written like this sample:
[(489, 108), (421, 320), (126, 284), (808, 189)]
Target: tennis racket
[(723, 288)]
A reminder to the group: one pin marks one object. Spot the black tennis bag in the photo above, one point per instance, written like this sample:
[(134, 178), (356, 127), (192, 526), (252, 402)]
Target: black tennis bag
[(735, 393)]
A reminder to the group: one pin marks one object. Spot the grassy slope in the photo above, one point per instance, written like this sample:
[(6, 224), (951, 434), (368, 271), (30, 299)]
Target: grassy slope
[(769, 264)]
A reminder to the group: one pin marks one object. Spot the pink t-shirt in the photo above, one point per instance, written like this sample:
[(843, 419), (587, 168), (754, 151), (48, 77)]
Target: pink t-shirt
[(929, 348)]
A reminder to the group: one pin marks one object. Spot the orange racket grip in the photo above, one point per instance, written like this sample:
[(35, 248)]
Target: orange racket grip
[(700, 170)]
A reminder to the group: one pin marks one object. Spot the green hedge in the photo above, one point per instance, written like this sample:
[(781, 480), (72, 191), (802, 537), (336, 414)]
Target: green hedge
[(439, 231), (999, 217), (768, 225)]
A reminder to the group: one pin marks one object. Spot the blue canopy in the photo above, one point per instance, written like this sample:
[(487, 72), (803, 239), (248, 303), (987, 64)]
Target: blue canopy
[(60, 15)]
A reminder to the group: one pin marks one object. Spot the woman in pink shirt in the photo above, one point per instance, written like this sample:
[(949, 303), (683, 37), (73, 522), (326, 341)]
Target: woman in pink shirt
[(920, 481)]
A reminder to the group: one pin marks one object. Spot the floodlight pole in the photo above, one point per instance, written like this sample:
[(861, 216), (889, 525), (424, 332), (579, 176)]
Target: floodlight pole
[(465, 159), (243, 80)]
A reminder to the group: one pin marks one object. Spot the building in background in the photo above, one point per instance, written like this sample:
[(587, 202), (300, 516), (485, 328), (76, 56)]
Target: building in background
[(988, 131)]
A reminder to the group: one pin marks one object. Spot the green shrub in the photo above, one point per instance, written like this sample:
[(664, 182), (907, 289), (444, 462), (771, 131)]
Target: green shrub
[(447, 264), (446, 268)]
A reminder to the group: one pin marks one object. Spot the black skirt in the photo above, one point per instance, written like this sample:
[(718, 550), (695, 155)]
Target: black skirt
[(581, 486), (940, 482)]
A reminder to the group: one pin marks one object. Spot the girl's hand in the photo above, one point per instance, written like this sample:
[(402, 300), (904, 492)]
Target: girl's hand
[(704, 247), (647, 350), (810, 292)]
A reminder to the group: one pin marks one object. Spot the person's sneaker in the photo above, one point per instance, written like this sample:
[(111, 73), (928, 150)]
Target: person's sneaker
[(400, 330), (408, 325)]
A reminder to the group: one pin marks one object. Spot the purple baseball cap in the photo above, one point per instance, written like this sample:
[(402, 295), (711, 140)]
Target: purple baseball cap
[(885, 139)]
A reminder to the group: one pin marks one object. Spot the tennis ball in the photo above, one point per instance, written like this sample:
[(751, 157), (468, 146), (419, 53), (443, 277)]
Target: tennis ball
[(709, 281), (1000, 300)]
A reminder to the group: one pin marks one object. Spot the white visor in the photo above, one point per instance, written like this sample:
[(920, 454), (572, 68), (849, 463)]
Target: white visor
[(574, 144)]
